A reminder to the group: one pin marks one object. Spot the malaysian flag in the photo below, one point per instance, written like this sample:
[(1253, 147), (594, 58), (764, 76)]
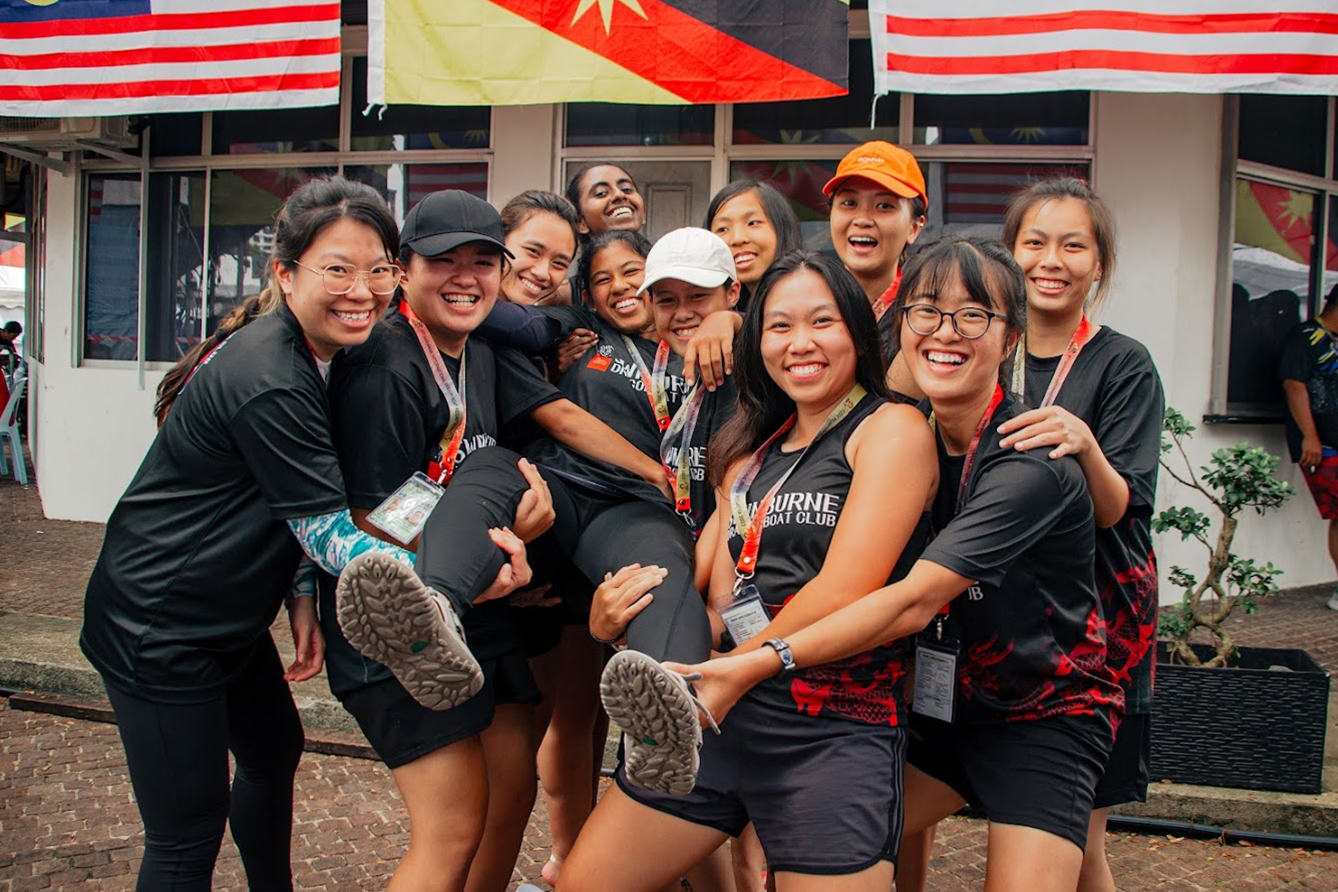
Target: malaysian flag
[(118, 57), (1143, 46)]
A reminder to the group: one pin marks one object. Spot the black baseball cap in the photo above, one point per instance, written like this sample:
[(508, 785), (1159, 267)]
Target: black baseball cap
[(448, 219)]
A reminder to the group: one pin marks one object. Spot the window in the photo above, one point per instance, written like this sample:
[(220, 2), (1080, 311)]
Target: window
[(111, 267), (1284, 260)]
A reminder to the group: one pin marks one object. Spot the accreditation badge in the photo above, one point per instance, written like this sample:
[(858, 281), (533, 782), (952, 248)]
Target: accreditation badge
[(405, 511)]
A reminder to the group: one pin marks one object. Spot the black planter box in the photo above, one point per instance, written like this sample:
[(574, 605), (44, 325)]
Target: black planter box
[(1249, 726)]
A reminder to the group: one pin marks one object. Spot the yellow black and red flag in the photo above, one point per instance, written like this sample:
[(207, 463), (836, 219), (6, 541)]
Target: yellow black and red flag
[(515, 52)]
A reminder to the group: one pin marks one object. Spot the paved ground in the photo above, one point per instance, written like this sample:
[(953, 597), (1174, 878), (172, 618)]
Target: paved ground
[(67, 819)]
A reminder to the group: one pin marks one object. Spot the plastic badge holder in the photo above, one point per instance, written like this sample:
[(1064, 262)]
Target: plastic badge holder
[(746, 616), (404, 513)]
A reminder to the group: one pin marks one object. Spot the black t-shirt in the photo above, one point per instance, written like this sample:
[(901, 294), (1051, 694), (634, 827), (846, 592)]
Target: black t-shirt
[(1115, 389), (388, 416), (198, 557), (1032, 642), (1310, 355), (799, 525), (607, 383)]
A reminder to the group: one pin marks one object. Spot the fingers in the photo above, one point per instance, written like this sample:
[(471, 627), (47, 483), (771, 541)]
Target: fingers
[(690, 363), (1025, 419)]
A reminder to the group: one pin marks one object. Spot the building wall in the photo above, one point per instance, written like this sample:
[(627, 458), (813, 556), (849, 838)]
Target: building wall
[(1164, 183)]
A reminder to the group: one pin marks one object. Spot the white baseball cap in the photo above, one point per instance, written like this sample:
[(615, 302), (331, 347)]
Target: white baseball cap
[(692, 254)]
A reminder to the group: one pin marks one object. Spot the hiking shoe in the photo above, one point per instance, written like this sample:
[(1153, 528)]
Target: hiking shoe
[(657, 713), (390, 616)]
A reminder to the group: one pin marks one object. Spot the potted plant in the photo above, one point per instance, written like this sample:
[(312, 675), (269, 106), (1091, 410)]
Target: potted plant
[(1221, 714)]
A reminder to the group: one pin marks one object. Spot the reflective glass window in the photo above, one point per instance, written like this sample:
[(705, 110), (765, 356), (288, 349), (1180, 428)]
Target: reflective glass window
[(404, 185), (398, 127), (276, 131), (613, 124), (174, 300), (1285, 131), (1025, 119), (111, 267)]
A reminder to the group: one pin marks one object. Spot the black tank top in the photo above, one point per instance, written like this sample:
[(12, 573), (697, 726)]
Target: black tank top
[(868, 687)]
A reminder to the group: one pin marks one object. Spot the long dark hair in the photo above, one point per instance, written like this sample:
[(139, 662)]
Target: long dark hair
[(763, 406), (775, 206), (986, 270), (634, 240), (315, 205)]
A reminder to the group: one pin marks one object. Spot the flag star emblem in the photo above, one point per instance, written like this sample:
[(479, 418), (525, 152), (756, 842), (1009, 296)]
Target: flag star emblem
[(606, 10)]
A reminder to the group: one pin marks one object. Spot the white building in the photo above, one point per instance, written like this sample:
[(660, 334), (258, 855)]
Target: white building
[(1224, 203)]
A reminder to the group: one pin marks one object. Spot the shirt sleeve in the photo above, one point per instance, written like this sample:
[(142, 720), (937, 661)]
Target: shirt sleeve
[(1016, 502), (283, 435), (1297, 362), (527, 329), (520, 387), (1128, 425), (379, 430)]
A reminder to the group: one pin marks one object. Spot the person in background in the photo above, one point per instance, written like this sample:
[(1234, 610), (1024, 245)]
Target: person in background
[(1308, 370)]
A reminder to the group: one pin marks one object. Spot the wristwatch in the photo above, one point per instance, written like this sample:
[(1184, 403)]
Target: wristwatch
[(783, 651)]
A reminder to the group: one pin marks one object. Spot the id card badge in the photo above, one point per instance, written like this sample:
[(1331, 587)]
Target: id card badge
[(746, 616), (935, 679), (405, 511)]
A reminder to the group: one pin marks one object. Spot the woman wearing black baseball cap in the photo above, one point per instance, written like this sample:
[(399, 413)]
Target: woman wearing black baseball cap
[(417, 410)]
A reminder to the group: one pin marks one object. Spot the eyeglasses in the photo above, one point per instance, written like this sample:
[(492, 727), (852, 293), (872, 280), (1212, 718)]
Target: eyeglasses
[(339, 279), (969, 322)]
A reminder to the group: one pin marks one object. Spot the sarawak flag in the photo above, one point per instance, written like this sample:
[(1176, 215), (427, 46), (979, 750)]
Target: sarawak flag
[(1143, 46), (515, 52), (117, 57)]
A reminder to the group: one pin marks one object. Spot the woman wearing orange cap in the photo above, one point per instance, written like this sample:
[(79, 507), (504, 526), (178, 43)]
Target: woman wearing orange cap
[(878, 208)]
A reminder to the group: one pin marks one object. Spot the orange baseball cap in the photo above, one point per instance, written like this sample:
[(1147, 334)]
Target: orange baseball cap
[(885, 164)]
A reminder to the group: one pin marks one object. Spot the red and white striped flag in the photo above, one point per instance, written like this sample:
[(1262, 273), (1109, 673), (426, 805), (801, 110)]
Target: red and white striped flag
[(1142, 46), (94, 57)]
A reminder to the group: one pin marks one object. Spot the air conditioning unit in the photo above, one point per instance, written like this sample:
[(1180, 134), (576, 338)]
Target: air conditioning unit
[(43, 134)]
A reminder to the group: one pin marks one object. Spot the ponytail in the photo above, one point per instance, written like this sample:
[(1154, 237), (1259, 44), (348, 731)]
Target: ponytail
[(267, 301)]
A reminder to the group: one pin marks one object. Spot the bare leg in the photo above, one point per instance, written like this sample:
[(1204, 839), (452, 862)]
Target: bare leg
[(714, 873), (631, 847), (1333, 543), (913, 863), (508, 750), (872, 879), (1096, 875), (446, 792), (749, 861), (1024, 859)]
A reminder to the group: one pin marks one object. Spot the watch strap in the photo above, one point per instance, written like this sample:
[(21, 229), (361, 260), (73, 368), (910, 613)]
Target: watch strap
[(786, 657)]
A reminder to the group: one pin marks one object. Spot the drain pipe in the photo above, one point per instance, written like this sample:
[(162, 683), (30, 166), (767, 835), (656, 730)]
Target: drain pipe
[(1160, 826)]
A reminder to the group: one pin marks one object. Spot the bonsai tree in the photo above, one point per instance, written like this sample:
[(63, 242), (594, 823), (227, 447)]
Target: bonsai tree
[(1236, 478)]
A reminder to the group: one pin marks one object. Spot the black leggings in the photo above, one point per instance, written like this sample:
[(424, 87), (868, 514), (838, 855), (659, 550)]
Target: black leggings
[(599, 533), (177, 755)]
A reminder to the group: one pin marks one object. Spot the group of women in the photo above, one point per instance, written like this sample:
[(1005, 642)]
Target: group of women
[(894, 562)]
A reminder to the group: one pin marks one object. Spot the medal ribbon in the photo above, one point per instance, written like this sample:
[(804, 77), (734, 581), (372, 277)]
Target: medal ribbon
[(680, 431), (454, 433), (885, 299), (653, 380), (751, 529), (1081, 337)]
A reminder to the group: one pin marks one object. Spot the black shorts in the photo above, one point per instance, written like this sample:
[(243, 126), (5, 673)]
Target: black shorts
[(824, 794), (1127, 774), (1038, 773), (401, 729)]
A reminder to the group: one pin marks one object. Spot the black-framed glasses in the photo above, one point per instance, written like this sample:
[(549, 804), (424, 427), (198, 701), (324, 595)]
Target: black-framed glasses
[(339, 279), (969, 322)]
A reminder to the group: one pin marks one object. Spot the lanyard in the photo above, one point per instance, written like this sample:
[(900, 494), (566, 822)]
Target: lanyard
[(885, 299), (751, 529), (680, 431), (442, 470), (1081, 337), (653, 379)]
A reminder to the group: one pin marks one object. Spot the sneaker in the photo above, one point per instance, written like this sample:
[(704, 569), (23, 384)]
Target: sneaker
[(657, 713), (389, 615), (1332, 603)]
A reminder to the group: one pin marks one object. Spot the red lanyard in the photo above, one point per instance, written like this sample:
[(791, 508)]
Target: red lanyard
[(971, 450), (751, 528), (653, 380), (680, 431), (442, 469), (885, 299), (1081, 337)]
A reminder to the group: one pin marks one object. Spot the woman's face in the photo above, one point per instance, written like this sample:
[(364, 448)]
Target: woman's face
[(453, 292), (334, 321), (806, 348), (743, 224), (610, 200), (1056, 249), (871, 227), (616, 272), (945, 365), (679, 308), (543, 246)]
